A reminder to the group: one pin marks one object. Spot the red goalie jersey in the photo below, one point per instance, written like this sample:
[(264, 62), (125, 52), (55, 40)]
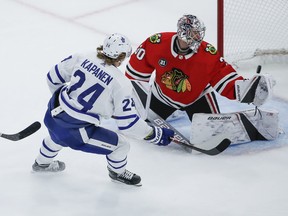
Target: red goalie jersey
[(181, 79)]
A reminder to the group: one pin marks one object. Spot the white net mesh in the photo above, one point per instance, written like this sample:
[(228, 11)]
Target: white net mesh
[(255, 28)]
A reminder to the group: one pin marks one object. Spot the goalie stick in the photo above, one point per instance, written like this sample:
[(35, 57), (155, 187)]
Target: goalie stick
[(258, 70), (211, 148), (24, 133)]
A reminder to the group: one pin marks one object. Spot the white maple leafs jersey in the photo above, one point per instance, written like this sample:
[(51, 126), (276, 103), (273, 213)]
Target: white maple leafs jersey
[(92, 90)]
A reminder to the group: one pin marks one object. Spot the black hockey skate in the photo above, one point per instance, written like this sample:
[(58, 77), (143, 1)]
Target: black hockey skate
[(126, 177), (55, 166)]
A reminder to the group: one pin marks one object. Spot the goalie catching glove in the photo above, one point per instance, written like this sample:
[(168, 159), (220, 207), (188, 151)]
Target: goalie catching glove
[(160, 136), (256, 90)]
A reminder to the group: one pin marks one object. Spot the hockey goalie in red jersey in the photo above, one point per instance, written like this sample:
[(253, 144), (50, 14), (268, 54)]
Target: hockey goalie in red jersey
[(187, 69), (188, 72)]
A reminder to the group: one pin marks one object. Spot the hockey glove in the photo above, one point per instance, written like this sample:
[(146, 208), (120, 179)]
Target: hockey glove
[(160, 136), (256, 90)]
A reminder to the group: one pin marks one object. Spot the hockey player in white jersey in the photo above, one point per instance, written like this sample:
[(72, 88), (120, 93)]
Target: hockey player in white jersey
[(86, 88)]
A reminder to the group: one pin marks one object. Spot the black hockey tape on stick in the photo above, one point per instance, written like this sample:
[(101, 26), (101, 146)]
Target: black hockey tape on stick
[(24, 133), (258, 70)]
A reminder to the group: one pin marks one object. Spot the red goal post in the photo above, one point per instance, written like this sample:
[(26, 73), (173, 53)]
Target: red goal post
[(253, 29)]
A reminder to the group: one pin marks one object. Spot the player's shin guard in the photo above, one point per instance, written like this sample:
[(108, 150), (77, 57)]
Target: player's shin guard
[(117, 160), (48, 151)]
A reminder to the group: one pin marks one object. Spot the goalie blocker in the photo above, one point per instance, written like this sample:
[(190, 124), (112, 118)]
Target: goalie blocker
[(242, 126)]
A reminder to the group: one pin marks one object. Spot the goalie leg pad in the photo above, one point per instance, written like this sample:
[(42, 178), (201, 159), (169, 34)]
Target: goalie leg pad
[(241, 127)]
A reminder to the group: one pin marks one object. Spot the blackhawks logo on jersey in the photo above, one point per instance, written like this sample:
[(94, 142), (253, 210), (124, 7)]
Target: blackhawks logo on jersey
[(211, 49), (176, 80), (156, 38)]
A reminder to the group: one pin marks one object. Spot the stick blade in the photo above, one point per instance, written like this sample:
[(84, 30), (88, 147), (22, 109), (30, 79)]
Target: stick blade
[(30, 130), (24, 133), (221, 147)]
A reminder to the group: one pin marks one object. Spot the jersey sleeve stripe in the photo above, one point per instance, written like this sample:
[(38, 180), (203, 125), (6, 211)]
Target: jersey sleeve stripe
[(58, 74), (136, 118), (137, 75), (51, 76), (50, 79), (224, 81)]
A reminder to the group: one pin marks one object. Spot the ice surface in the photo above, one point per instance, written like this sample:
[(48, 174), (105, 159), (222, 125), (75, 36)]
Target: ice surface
[(246, 180)]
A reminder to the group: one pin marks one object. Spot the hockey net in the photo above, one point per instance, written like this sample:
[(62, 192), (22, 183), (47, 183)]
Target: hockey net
[(254, 31)]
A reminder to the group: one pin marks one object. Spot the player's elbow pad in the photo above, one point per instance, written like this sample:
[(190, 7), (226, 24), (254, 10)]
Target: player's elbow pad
[(256, 90)]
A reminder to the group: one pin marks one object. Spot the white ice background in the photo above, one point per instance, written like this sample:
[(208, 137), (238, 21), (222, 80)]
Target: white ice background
[(246, 180)]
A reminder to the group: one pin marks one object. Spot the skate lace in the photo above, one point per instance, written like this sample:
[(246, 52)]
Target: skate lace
[(54, 166), (127, 175)]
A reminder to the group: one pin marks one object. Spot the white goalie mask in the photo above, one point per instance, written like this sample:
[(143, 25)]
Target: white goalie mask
[(191, 30), (115, 44)]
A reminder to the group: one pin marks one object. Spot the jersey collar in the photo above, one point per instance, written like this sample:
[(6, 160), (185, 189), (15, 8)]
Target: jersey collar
[(176, 55)]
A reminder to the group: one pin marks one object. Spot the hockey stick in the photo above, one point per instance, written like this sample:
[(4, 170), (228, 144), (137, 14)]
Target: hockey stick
[(258, 70), (149, 95), (24, 133), (155, 119), (224, 144), (141, 94), (214, 146)]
